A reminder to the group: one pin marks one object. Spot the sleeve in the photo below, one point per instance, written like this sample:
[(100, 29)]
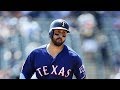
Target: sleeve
[(28, 67), (22, 76), (79, 69)]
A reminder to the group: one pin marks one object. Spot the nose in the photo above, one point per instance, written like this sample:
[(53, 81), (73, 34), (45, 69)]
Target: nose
[(60, 35)]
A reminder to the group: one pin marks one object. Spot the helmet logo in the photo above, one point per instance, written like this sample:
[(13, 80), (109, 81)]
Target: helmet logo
[(63, 23)]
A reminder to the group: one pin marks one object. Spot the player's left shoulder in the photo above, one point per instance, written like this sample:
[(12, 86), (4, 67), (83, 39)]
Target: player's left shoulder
[(75, 56), (69, 48), (71, 51)]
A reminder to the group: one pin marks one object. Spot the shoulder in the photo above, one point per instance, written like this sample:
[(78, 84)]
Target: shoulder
[(73, 54), (71, 51)]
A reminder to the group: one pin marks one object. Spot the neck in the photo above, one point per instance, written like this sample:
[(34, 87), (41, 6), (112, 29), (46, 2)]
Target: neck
[(54, 50)]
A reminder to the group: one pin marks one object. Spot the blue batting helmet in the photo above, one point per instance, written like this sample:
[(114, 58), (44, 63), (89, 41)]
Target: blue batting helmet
[(58, 24)]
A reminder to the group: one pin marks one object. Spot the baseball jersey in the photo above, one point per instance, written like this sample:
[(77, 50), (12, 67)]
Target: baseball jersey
[(63, 66)]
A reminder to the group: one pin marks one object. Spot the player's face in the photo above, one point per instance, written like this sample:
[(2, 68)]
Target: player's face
[(59, 37)]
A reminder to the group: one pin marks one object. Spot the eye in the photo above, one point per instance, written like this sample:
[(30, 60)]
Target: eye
[(56, 34), (64, 36)]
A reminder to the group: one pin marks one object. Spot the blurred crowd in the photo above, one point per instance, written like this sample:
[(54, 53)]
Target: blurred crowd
[(95, 35)]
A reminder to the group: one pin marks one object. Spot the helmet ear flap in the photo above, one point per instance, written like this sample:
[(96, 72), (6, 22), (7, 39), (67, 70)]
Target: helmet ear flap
[(51, 34)]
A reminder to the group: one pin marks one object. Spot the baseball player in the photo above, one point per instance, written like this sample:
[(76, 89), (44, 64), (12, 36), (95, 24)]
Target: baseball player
[(54, 60)]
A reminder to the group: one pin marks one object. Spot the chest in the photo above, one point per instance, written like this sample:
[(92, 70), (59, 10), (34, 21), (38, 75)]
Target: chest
[(60, 66), (47, 60)]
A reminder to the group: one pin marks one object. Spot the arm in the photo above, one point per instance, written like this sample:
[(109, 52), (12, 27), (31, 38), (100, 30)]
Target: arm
[(79, 70), (28, 67)]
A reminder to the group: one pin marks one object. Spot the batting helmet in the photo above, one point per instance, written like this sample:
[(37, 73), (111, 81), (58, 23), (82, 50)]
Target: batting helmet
[(58, 24)]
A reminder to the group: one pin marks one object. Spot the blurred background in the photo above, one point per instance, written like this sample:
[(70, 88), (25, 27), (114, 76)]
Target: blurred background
[(95, 36)]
